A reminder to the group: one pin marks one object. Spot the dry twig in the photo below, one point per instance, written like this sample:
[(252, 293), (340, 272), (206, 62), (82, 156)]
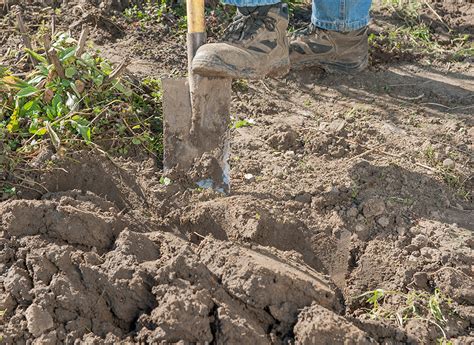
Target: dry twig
[(24, 35), (82, 42)]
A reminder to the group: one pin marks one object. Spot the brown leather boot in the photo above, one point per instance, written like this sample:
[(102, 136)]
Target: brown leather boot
[(331, 50), (256, 45)]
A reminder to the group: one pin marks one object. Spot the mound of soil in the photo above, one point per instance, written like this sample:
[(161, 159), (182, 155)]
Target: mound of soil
[(349, 193)]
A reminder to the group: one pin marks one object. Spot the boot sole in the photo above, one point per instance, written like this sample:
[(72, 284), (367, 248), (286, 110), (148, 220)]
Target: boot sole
[(332, 67), (201, 68)]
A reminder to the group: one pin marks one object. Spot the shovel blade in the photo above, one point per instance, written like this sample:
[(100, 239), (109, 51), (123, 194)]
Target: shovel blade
[(179, 153), (196, 130)]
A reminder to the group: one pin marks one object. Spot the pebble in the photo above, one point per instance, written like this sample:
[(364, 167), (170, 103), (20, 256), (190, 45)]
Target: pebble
[(420, 279), (352, 212), (448, 163), (304, 198), (249, 177), (420, 241), (401, 231), (383, 221), (290, 154), (362, 232)]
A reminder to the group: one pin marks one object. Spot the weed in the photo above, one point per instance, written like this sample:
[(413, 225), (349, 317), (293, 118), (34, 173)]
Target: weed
[(293, 5), (161, 11), (165, 181), (402, 307), (243, 123), (355, 189), (414, 37), (80, 99), (430, 154), (240, 85), (307, 103), (456, 182)]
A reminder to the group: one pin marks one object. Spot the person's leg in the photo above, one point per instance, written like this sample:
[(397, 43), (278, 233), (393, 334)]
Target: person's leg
[(337, 37), (255, 44), (340, 15)]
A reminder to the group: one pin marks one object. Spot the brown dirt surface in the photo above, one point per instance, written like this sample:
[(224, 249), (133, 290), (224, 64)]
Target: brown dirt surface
[(350, 192)]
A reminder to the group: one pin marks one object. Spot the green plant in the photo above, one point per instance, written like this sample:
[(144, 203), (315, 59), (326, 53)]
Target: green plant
[(151, 12), (456, 182), (70, 98), (241, 85), (416, 37), (293, 5), (430, 154), (165, 181), (402, 307), (243, 123)]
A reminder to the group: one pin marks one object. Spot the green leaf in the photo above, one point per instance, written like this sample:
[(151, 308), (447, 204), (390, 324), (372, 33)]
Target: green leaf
[(13, 124), (50, 112), (82, 127), (98, 79), (85, 131), (88, 59), (36, 80), (136, 141), (36, 56), (67, 53), (29, 105), (70, 72), (105, 67), (166, 181), (122, 89), (27, 92), (44, 70)]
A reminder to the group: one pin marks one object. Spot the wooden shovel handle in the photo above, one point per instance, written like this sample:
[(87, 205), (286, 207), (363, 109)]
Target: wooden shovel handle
[(195, 13)]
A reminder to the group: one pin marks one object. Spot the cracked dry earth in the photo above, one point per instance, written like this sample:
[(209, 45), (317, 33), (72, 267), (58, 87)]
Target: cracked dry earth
[(341, 200)]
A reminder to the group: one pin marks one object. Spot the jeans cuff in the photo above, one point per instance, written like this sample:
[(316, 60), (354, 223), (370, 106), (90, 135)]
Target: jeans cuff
[(250, 3), (340, 25)]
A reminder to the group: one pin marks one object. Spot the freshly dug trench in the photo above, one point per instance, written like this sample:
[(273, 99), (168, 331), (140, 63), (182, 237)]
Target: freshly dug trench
[(74, 268)]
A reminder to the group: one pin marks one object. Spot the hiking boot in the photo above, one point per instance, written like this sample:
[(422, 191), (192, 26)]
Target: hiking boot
[(255, 45), (331, 50)]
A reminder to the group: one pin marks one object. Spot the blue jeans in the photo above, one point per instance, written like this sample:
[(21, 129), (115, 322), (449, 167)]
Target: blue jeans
[(337, 15)]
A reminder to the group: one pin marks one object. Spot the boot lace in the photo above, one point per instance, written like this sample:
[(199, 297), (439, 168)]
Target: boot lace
[(245, 26), (310, 29)]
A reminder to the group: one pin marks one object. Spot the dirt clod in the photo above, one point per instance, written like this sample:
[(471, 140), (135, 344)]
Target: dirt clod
[(39, 320)]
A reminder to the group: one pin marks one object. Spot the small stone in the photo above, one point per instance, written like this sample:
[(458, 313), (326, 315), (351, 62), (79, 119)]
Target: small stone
[(420, 241), (401, 231), (421, 279), (383, 221), (249, 177), (290, 154), (38, 320), (373, 208), (470, 242), (448, 163), (304, 198), (352, 212), (362, 231)]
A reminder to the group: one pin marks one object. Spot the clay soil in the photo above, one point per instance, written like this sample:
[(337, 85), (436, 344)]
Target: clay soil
[(357, 183)]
